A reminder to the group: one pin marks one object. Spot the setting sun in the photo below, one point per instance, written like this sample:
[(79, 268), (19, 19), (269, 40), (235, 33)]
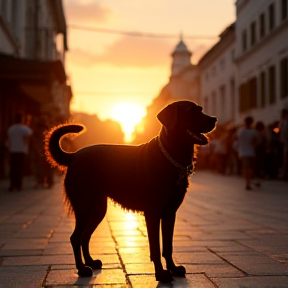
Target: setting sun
[(128, 115)]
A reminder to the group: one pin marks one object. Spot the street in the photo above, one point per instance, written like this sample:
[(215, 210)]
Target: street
[(225, 236)]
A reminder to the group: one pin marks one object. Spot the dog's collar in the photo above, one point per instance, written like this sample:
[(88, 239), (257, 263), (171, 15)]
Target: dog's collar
[(184, 171)]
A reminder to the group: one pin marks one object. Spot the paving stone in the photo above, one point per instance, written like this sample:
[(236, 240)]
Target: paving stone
[(123, 233), (72, 266), (96, 286), (188, 249), (67, 277), (7, 253), (225, 235), (38, 260), (252, 282), (22, 276), (135, 258), (197, 258), (147, 281), (58, 248), (143, 268), (99, 249), (255, 263), (132, 243), (133, 250), (231, 247), (26, 244), (213, 270)]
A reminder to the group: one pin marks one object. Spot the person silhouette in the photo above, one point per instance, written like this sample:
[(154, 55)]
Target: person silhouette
[(247, 140), (18, 136)]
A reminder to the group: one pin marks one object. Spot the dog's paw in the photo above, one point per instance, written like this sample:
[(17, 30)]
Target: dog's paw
[(178, 271), (94, 264), (85, 272), (164, 276)]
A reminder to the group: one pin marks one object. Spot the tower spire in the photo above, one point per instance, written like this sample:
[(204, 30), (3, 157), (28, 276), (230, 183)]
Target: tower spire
[(180, 57)]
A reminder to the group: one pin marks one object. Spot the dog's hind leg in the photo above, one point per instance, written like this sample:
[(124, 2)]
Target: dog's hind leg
[(168, 222), (82, 220), (153, 226), (96, 217)]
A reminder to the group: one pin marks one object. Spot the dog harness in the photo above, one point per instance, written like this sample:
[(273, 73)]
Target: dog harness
[(184, 172)]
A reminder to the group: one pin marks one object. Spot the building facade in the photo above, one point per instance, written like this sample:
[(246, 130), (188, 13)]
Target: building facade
[(262, 58), (217, 78), (246, 71), (32, 64)]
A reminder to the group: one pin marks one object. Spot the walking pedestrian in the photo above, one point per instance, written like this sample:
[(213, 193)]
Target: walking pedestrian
[(18, 136), (247, 140)]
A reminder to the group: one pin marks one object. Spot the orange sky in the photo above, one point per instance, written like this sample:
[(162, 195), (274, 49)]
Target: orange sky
[(107, 69)]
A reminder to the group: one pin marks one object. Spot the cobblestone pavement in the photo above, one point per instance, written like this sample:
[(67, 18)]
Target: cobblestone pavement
[(225, 236)]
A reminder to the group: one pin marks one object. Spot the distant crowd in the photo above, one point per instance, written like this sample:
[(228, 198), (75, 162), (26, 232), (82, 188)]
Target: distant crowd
[(265, 145)]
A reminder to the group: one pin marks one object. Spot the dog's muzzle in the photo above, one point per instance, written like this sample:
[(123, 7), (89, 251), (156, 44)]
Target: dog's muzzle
[(201, 138)]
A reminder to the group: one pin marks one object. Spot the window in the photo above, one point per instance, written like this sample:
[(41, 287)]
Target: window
[(248, 95), (222, 64), (244, 41), (262, 25), (272, 85), (253, 33), (243, 99), (262, 89), (284, 9), (284, 78), (271, 17), (253, 93)]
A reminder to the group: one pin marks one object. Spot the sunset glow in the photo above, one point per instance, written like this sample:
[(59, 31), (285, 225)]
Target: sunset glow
[(107, 68), (128, 114)]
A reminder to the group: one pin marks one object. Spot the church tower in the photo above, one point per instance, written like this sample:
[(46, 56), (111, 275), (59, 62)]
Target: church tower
[(180, 58)]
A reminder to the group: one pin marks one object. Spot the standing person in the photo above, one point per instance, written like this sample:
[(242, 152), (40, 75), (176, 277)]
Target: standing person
[(283, 138), (247, 140), (18, 136)]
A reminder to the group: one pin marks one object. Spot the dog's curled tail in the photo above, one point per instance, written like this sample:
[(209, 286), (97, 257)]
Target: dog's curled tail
[(55, 155)]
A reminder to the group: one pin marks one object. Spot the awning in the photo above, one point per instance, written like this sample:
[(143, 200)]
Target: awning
[(39, 93), (26, 69)]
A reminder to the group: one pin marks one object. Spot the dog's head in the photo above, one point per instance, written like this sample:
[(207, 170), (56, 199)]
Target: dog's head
[(186, 119)]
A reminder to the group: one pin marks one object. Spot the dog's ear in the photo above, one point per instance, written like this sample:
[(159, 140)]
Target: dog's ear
[(168, 116)]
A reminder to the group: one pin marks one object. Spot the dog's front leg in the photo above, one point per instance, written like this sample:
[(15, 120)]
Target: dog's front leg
[(153, 226), (168, 222)]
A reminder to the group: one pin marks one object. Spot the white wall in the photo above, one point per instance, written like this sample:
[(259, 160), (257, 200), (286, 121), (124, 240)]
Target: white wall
[(259, 57), (219, 73)]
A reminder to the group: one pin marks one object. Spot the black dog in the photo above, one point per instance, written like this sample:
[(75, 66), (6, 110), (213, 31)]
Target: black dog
[(151, 178)]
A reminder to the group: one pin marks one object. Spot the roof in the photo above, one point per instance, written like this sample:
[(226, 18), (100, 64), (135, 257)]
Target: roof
[(228, 31), (181, 48)]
